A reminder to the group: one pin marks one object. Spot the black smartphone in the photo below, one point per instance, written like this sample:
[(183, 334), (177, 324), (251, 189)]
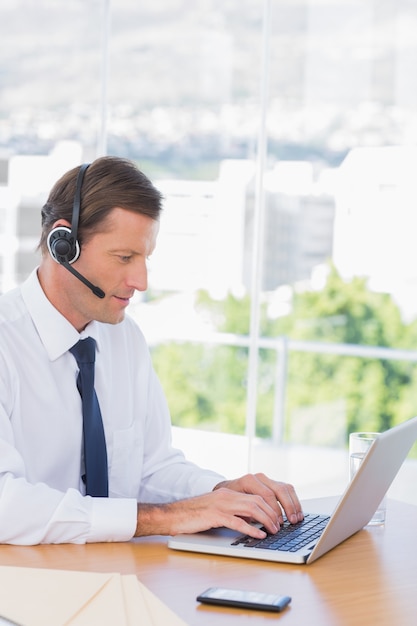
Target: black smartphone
[(244, 599)]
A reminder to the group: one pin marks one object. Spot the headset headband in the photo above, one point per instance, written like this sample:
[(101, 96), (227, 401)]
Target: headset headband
[(77, 201)]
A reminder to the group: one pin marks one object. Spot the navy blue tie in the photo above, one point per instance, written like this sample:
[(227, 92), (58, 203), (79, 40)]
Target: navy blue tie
[(95, 454)]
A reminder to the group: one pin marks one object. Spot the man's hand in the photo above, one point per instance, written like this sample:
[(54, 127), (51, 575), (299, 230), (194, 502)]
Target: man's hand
[(231, 504), (280, 496)]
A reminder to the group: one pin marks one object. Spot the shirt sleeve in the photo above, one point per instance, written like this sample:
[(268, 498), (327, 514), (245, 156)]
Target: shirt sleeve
[(167, 474), (32, 514), (36, 513)]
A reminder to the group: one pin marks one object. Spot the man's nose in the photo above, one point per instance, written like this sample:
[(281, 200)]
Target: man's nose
[(138, 277)]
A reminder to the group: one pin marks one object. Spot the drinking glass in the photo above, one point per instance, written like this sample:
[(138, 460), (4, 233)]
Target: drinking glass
[(359, 444)]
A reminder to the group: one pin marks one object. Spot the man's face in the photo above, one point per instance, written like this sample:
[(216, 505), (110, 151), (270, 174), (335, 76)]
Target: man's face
[(115, 261)]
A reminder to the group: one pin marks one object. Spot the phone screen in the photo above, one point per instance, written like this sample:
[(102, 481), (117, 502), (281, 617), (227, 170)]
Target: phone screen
[(244, 599)]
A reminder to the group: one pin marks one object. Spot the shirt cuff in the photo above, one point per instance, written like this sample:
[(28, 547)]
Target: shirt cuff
[(112, 519)]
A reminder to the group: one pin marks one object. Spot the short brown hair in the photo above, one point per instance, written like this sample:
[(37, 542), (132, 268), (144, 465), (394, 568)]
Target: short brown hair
[(109, 182)]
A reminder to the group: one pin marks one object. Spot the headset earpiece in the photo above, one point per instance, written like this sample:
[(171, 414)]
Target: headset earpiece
[(62, 242), (62, 246)]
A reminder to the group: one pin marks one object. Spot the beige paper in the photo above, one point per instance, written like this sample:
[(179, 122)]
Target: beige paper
[(143, 602), (42, 597), (105, 607), (137, 612)]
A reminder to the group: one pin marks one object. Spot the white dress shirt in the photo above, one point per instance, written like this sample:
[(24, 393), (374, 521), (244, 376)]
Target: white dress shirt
[(42, 497)]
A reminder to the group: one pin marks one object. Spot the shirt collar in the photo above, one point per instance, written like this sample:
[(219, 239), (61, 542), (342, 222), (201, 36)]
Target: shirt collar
[(57, 334)]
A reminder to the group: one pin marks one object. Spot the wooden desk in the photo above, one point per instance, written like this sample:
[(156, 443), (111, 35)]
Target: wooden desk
[(369, 579)]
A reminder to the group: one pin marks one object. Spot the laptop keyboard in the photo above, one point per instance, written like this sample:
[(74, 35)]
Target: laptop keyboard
[(290, 537)]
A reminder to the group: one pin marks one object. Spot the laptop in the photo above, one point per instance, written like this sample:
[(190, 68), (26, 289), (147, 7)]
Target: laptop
[(324, 532)]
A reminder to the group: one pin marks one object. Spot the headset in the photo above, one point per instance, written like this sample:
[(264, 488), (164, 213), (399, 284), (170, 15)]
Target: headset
[(62, 241)]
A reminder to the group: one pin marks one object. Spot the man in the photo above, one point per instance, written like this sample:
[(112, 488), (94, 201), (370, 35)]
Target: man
[(99, 226)]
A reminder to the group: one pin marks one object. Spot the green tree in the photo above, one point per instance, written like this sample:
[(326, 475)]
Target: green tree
[(348, 312), (206, 385)]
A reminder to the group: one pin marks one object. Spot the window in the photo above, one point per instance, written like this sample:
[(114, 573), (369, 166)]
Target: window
[(282, 135)]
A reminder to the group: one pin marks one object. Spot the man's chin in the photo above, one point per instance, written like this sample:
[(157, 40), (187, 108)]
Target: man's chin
[(112, 319)]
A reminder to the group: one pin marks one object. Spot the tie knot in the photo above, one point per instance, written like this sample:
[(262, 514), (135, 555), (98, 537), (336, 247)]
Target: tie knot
[(84, 350)]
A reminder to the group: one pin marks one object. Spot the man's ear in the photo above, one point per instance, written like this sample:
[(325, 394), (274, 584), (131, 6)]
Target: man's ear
[(61, 222)]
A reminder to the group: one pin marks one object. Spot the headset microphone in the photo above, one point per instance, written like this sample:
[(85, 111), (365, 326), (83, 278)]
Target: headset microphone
[(62, 242), (96, 290)]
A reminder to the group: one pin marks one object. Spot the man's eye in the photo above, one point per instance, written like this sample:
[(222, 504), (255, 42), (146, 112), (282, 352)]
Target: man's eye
[(125, 259)]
